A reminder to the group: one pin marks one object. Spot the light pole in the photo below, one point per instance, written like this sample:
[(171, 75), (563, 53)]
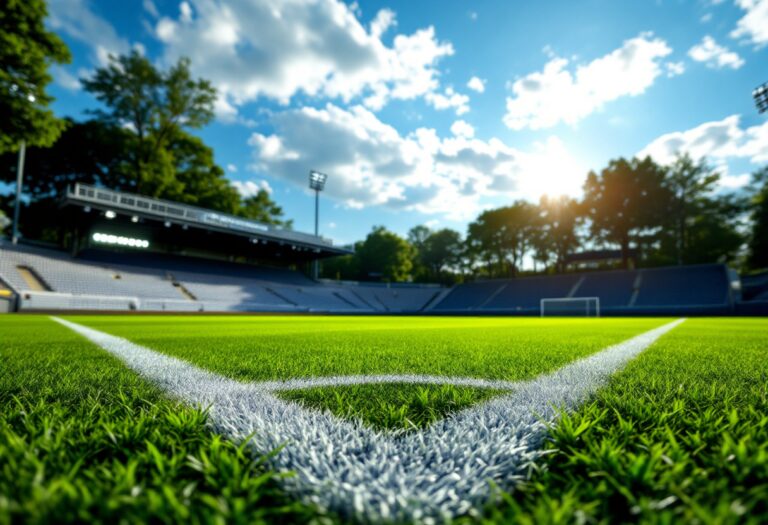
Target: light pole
[(760, 94), (317, 183), (19, 180)]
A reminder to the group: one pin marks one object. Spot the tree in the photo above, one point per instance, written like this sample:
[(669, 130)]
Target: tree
[(439, 251), (27, 49), (501, 237), (384, 255), (626, 201), (690, 186), (88, 152), (557, 235), (758, 242), (260, 207), (156, 106)]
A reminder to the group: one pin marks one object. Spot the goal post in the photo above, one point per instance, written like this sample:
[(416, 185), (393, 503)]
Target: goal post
[(570, 307)]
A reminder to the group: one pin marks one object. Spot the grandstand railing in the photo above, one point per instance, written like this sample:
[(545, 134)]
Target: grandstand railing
[(167, 210)]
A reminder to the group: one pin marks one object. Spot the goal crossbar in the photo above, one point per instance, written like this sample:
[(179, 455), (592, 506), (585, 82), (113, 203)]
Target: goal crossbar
[(569, 306)]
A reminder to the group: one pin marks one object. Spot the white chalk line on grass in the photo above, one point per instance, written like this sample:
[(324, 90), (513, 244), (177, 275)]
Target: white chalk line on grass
[(430, 475)]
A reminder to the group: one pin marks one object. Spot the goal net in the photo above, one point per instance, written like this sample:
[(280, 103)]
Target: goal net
[(571, 306)]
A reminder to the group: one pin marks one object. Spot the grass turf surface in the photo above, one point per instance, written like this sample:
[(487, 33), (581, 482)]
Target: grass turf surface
[(680, 435)]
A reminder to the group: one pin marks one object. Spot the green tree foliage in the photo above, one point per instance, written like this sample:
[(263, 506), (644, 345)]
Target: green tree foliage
[(27, 49), (626, 202), (693, 211), (260, 207), (384, 255), (435, 254), (557, 235), (758, 242), (501, 237), (88, 152), (157, 106)]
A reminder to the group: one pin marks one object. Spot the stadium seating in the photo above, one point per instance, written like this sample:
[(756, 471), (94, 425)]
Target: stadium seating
[(51, 279)]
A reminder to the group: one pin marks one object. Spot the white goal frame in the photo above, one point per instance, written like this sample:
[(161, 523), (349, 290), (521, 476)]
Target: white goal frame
[(595, 301)]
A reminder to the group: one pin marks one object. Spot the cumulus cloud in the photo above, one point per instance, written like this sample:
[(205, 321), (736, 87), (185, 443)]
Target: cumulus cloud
[(449, 99), (250, 188), (476, 84), (714, 55), (371, 163), (675, 68), (253, 48), (75, 18), (753, 26), (562, 94), (461, 128), (719, 141)]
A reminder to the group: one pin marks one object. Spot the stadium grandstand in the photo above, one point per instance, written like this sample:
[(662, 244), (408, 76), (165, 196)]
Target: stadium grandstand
[(130, 253)]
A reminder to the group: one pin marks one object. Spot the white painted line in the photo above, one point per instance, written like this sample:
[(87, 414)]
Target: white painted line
[(431, 475)]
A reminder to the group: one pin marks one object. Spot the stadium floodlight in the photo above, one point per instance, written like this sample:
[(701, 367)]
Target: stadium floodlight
[(19, 182), (109, 214), (317, 183), (570, 307), (760, 94)]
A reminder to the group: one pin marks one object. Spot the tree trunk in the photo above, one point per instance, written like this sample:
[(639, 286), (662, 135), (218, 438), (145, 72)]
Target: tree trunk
[(625, 251)]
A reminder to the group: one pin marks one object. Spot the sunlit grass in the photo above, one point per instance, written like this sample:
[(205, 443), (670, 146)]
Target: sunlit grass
[(680, 436)]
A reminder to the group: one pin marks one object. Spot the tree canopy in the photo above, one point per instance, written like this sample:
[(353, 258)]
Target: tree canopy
[(624, 202), (27, 49)]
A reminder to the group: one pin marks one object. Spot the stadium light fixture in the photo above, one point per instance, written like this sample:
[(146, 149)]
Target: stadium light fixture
[(317, 183), (19, 182), (108, 238), (760, 94), (109, 214)]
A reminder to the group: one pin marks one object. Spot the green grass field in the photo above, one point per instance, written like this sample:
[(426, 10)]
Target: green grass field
[(680, 434)]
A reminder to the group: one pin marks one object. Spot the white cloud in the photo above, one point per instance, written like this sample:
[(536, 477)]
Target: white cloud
[(65, 79), (675, 68), (753, 26), (74, 18), (151, 8), (461, 128), (476, 84), (254, 48), (734, 182), (250, 188), (719, 141), (231, 168), (370, 163), (714, 55), (556, 94), (449, 99), (185, 12)]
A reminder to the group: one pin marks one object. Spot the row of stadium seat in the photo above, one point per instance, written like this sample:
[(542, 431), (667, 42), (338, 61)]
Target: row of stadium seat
[(704, 285), (151, 281), (127, 281)]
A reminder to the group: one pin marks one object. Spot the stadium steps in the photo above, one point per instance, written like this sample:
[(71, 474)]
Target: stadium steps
[(280, 296), (363, 299), (435, 300), (576, 287), (183, 290), (32, 279), (350, 303), (493, 296), (636, 288)]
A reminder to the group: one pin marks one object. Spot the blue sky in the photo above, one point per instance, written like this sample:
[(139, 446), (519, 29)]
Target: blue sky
[(429, 112)]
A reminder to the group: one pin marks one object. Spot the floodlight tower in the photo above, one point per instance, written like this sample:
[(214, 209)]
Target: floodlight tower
[(317, 183), (760, 94)]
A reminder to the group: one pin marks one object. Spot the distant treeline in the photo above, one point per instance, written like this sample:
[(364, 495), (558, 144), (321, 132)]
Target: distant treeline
[(661, 215)]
